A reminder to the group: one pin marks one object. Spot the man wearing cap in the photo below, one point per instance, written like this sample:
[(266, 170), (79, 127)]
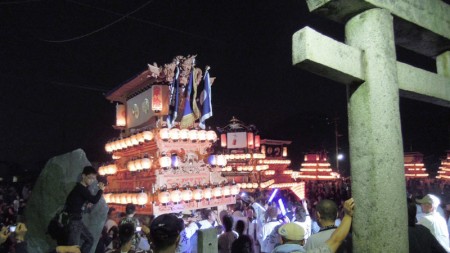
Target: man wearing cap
[(433, 220), (165, 233), (292, 238)]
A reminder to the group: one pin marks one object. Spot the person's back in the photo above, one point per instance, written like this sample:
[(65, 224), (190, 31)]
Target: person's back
[(130, 211), (244, 243), (268, 235), (227, 238)]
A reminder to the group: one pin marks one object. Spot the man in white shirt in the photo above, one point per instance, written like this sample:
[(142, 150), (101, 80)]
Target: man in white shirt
[(268, 237), (209, 221), (433, 220)]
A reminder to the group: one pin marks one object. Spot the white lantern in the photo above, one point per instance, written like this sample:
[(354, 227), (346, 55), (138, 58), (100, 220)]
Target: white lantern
[(198, 194), (146, 163), (217, 191), (113, 146), (221, 161), (211, 136), (107, 197), (164, 134), (142, 198), (140, 137), (134, 140), (255, 185), (123, 199), (201, 135), (174, 134), (134, 199), (226, 190), (147, 135), (164, 197), (186, 195), (112, 169), (165, 161), (128, 142), (138, 164), (121, 117), (129, 197), (193, 135), (117, 145), (184, 134), (108, 148), (234, 189), (131, 166), (207, 193), (175, 196)]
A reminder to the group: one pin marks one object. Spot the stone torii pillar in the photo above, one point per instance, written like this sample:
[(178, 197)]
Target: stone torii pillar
[(367, 65)]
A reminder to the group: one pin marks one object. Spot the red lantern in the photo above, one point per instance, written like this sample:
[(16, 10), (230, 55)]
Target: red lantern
[(250, 143), (257, 141), (223, 140)]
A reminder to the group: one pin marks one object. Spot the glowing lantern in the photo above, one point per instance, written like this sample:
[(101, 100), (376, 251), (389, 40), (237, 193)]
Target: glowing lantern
[(234, 189), (140, 137), (112, 169), (198, 194), (201, 135), (250, 143), (223, 140), (221, 161), (123, 199), (211, 136), (148, 135), (117, 144), (193, 135), (130, 166), (174, 134), (257, 141), (284, 151), (217, 191), (112, 145), (142, 198), (226, 190), (175, 196), (157, 98), (164, 134), (164, 197), (263, 149), (165, 161), (134, 140), (186, 194), (129, 197), (128, 142), (107, 197), (112, 198), (123, 144), (249, 185), (146, 163), (138, 164), (121, 119), (207, 193), (134, 200), (184, 134), (108, 147), (255, 185)]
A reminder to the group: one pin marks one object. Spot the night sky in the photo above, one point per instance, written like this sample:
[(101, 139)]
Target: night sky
[(59, 58)]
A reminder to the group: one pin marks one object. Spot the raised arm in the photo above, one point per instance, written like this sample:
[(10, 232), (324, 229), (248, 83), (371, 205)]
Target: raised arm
[(342, 231)]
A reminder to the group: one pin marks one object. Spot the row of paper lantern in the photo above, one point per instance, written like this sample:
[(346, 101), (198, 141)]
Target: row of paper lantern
[(274, 161), (245, 156), (193, 135), (249, 185), (139, 164), (198, 194), (267, 183), (140, 198), (128, 142), (217, 160), (109, 169)]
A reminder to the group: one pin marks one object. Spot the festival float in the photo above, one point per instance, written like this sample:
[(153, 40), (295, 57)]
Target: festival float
[(160, 157), (414, 166), (444, 169), (254, 163), (316, 167)]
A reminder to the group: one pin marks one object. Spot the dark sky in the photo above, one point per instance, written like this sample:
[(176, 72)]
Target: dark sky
[(59, 58)]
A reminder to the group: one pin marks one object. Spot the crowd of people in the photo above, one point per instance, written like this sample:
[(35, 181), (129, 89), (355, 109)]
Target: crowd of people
[(256, 223)]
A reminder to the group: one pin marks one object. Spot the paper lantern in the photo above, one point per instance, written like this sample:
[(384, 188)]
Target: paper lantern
[(107, 197), (284, 151), (147, 135), (134, 140), (112, 169), (142, 198), (193, 135), (175, 161), (234, 189), (123, 144), (130, 166), (198, 194), (223, 140), (138, 164), (134, 200), (165, 161), (184, 134), (164, 197), (140, 137), (250, 141), (129, 197), (128, 142), (123, 199), (257, 141), (175, 196), (211, 136), (221, 161), (201, 135), (186, 195), (164, 134), (146, 163), (217, 191), (255, 185), (207, 193), (226, 190), (108, 148), (174, 134), (121, 117), (212, 159)]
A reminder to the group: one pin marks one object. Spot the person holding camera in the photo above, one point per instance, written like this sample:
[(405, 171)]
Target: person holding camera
[(76, 201)]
